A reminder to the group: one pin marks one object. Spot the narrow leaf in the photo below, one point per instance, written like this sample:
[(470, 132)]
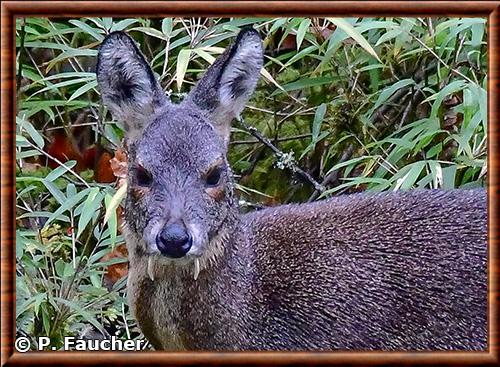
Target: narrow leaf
[(182, 64), (355, 35)]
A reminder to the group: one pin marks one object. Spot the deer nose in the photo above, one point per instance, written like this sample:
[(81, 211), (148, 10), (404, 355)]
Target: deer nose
[(174, 241)]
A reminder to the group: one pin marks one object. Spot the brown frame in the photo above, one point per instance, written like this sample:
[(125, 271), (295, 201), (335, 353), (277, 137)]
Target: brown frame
[(12, 9)]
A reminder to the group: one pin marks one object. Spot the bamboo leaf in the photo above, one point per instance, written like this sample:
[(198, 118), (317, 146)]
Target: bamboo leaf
[(182, 64), (90, 207), (301, 31), (59, 171), (67, 205), (355, 35)]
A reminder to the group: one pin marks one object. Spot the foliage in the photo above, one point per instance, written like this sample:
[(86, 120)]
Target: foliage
[(356, 103)]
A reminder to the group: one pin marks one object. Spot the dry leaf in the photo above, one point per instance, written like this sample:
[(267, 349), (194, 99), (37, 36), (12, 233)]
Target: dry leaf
[(115, 271), (119, 166)]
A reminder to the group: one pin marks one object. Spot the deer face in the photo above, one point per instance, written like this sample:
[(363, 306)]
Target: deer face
[(179, 185)]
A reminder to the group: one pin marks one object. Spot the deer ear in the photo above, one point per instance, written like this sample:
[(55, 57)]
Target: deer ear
[(128, 86), (228, 84)]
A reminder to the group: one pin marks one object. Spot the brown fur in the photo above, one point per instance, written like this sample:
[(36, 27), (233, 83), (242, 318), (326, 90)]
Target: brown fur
[(376, 273)]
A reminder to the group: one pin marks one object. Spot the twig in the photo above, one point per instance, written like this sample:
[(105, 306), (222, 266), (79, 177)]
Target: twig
[(290, 161), (59, 163), (248, 107), (286, 138), (22, 51), (125, 321), (417, 78), (450, 68), (430, 26), (413, 100)]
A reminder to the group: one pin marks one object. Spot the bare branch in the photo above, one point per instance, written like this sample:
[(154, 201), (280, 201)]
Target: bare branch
[(290, 161)]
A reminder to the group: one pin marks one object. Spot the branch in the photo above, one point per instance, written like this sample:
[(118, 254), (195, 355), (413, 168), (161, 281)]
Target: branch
[(43, 152), (22, 51), (286, 159), (285, 138)]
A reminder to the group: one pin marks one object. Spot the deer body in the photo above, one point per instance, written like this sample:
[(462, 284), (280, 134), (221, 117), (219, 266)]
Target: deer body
[(373, 274), (389, 271)]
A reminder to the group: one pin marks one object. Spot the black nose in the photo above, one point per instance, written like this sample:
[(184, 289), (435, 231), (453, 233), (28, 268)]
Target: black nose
[(174, 241)]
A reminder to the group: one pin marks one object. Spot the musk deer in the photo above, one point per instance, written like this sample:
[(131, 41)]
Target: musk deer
[(386, 271)]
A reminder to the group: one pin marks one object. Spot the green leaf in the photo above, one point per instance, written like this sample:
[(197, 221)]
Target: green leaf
[(33, 302), (351, 162), (21, 141), (54, 190), (167, 26), (59, 171), (305, 83), (67, 205), (301, 32), (451, 88), (63, 84), (313, 143), (63, 269), (45, 320), (36, 214), (90, 207), (303, 53), (150, 32), (123, 24), (434, 151), (408, 175), (205, 55), (112, 203), (355, 35), (182, 64), (87, 316), (393, 33), (107, 22), (32, 132), (73, 53), (318, 119), (94, 32), (83, 89), (388, 92), (278, 23), (354, 182), (71, 74), (27, 154), (70, 190), (115, 202), (449, 175)]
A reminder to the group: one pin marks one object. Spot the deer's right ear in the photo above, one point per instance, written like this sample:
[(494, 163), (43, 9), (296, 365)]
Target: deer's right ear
[(127, 84)]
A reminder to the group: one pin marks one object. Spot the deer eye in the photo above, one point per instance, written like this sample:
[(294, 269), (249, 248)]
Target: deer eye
[(143, 177), (213, 177)]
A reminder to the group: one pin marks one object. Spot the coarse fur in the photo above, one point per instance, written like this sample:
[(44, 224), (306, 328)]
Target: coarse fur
[(387, 271)]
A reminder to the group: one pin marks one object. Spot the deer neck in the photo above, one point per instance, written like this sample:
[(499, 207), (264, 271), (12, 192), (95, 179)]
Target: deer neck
[(187, 303)]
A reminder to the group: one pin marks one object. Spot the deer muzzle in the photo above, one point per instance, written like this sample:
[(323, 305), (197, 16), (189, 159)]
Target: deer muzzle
[(174, 240)]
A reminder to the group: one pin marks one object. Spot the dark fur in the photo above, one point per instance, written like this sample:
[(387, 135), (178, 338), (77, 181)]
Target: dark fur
[(398, 271), (392, 271)]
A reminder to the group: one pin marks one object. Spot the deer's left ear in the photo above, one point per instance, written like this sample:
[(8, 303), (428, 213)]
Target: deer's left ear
[(229, 82)]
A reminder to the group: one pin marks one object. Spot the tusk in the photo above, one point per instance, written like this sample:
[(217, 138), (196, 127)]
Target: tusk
[(150, 268), (196, 268)]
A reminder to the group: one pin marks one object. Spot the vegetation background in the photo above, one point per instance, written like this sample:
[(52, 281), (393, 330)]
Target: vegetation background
[(343, 105)]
